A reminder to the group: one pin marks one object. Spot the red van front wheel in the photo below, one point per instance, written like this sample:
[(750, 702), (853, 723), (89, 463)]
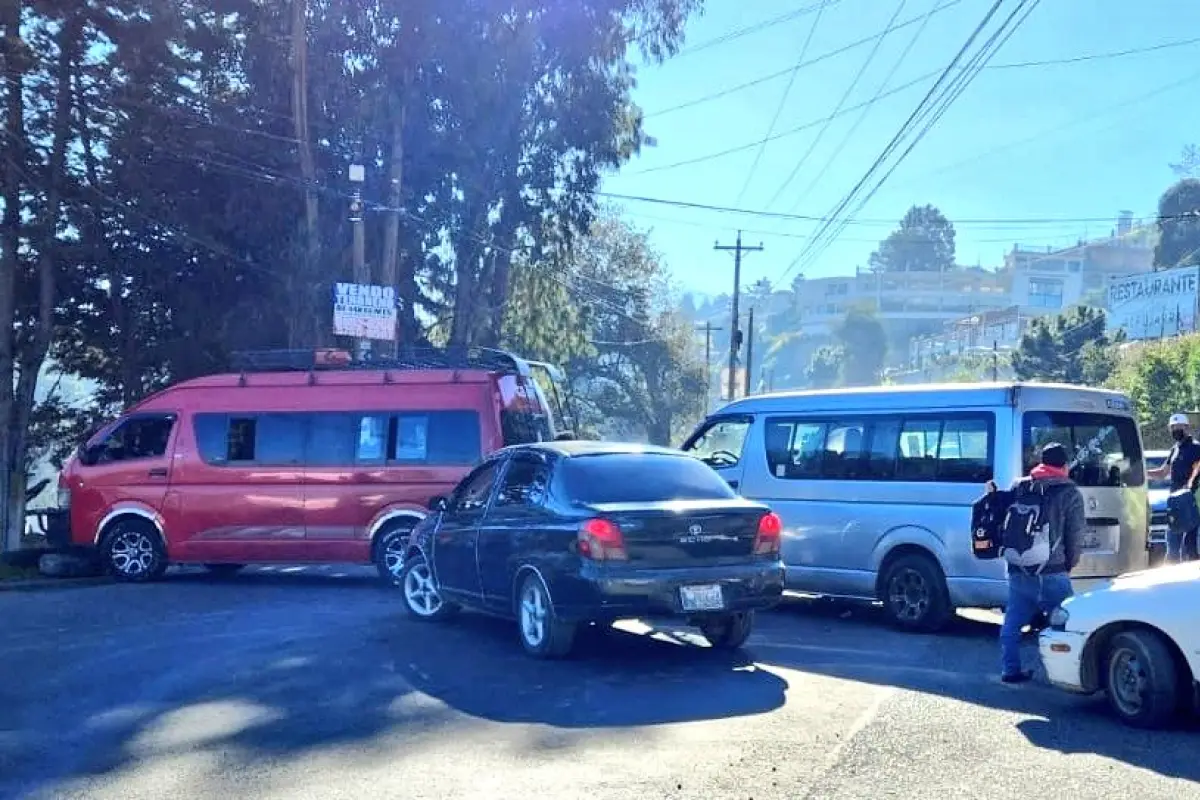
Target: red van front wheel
[(391, 546), (133, 552)]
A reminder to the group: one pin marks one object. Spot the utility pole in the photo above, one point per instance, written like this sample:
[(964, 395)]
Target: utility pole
[(734, 331), (709, 329), (749, 352), (995, 361), (358, 174)]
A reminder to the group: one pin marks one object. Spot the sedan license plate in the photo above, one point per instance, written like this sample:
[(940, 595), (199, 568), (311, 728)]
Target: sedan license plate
[(701, 598)]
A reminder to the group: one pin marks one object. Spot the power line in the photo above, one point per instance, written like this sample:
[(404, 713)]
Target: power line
[(815, 60), (915, 20), (841, 102), (921, 110), (1069, 231), (758, 26), (997, 40), (1025, 221), (762, 144), (1071, 123), (166, 227), (260, 174), (922, 78), (789, 132), (543, 268), (866, 110), (1100, 56)]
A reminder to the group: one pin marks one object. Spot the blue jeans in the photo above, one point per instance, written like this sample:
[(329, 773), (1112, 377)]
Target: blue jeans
[(1027, 595), (1181, 546)]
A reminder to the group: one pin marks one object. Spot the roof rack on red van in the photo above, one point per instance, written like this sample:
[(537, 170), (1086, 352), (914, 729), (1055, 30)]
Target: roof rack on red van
[(419, 358)]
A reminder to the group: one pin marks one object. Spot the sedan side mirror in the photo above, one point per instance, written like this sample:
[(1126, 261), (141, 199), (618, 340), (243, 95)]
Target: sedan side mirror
[(438, 503)]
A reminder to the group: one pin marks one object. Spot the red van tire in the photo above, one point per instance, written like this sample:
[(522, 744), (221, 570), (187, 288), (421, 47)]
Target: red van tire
[(132, 551), (390, 550)]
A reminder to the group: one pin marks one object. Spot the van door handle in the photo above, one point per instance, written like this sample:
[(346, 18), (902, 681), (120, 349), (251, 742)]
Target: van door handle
[(733, 484), (158, 472)]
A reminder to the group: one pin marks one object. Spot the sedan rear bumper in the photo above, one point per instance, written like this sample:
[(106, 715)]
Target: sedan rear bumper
[(629, 592)]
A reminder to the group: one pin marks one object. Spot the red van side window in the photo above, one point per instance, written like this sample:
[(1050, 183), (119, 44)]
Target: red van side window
[(332, 439)]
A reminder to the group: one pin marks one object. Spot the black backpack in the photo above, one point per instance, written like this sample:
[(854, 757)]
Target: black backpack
[(1011, 523), (1026, 540), (987, 522)]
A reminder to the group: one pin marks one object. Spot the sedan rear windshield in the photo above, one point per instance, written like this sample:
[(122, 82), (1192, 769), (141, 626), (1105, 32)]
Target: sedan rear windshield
[(641, 478)]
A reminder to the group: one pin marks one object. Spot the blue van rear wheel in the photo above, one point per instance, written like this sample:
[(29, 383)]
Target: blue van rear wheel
[(913, 591)]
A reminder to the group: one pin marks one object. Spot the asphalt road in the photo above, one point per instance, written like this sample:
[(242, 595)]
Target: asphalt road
[(295, 685)]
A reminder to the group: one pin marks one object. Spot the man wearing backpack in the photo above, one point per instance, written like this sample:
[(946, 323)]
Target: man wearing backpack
[(1040, 542)]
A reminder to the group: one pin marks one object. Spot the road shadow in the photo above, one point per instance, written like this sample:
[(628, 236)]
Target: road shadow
[(263, 685), (259, 680), (960, 664), (614, 678)]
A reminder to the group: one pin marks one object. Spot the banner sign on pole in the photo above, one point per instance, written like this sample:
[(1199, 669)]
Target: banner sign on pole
[(364, 311), (1154, 305)]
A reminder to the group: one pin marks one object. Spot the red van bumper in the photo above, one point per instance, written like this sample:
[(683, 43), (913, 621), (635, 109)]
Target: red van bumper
[(56, 524)]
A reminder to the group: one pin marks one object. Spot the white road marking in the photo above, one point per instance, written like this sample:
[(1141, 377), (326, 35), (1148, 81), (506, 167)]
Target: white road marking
[(865, 718)]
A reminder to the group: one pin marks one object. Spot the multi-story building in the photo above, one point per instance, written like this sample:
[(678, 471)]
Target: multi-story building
[(999, 329), (971, 310), (1041, 282), (1048, 280), (901, 300)]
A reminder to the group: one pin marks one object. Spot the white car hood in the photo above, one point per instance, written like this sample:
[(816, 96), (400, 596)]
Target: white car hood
[(1160, 576)]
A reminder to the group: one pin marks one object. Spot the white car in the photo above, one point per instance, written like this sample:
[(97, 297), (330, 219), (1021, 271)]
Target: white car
[(1137, 639)]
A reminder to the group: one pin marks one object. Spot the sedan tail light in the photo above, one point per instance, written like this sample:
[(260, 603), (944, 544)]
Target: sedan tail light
[(770, 530), (601, 540)]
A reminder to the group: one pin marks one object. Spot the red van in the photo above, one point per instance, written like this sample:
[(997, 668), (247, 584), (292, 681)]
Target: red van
[(301, 456)]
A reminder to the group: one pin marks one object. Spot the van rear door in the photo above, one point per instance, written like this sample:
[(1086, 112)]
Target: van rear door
[(1107, 466)]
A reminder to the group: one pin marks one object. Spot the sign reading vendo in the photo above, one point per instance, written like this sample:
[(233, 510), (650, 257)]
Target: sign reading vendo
[(364, 310), (1154, 304)]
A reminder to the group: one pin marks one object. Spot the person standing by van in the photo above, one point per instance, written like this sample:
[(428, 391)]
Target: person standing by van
[(1040, 542), (1183, 467)]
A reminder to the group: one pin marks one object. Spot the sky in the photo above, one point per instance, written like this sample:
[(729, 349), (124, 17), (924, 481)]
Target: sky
[(1021, 150)]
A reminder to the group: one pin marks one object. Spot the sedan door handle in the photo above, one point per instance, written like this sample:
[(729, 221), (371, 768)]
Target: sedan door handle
[(158, 472)]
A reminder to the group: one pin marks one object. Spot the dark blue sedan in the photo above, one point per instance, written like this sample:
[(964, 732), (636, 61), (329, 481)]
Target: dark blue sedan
[(561, 534)]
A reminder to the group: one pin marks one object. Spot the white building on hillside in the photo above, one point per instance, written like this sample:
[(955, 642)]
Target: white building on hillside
[(900, 299), (1048, 280)]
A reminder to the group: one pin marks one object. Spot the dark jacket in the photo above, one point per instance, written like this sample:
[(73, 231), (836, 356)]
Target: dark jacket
[(1068, 521)]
